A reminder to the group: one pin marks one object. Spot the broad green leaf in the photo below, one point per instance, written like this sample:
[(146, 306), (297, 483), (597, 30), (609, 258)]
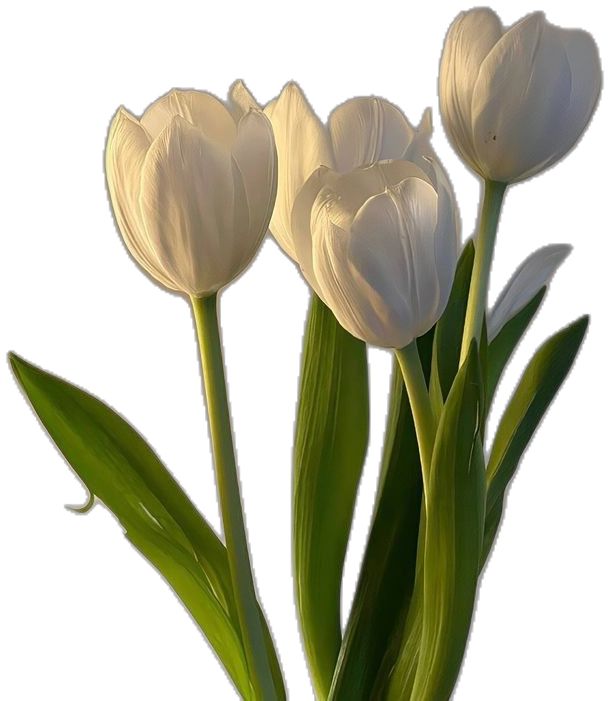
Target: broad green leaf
[(502, 346), (330, 444), (449, 330), (536, 390), (455, 514), (119, 468)]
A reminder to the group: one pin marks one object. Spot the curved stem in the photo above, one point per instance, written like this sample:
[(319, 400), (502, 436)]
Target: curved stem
[(483, 255), (421, 407), (208, 335)]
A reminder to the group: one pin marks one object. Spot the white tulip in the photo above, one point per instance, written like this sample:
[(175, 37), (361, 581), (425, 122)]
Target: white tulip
[(515, 101), (192, 184), (536, 272), (379, 245), (359, 132)]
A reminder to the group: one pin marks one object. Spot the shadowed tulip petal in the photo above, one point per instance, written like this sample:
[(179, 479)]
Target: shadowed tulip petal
[(536, 272), (241, 100), (364, 130)]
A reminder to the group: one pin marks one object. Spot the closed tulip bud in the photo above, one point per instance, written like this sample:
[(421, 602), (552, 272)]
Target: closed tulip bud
[(515, 101), (192, 184), (379, 245), (359, 132)]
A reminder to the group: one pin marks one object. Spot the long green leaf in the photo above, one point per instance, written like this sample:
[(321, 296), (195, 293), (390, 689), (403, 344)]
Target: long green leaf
[(536, 390), (503, 345), (387, 574), (455, 514), (330, 445), (449, 329), (119, 468)]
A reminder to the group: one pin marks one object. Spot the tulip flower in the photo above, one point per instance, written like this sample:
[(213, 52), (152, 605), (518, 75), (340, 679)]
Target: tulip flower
[(192, 185), (515, 101), (379, 245), (358, 133)]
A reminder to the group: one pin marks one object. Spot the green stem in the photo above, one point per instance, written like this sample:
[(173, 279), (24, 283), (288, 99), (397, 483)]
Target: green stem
[(208, 335), (483, 255), (421, 407)]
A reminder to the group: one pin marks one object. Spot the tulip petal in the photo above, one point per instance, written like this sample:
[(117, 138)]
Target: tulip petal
[(364, 130), (201, 109), (241, 100), (191, 206), (523, 84), (302, 146), (392, 248), (126, 149), (255, 156), (536, 272), (300, 221), (469, 39)]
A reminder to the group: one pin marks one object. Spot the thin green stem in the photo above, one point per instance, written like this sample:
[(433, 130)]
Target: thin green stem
[(208, 334), (421, 407), (483, 255)]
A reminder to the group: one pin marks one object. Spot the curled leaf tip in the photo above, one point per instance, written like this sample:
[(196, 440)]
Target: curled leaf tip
[(84, 508)]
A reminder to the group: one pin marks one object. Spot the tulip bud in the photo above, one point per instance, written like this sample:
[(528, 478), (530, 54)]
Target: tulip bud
[(359, 132), (192, 188), (379, 245), (515, 101)]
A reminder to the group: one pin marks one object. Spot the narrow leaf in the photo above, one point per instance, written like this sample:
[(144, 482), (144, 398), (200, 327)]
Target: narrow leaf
[(121, 470), (536, 390), (330, 445), (455, 512)]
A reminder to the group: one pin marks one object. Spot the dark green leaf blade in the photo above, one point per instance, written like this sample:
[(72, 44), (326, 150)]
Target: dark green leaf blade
[(455, 514), (536, 390), (121, 470), (331, 436), (503, 345)]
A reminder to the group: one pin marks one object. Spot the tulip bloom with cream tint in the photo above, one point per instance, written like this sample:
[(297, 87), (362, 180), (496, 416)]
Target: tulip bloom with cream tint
[(192, 188), (379, 245), (515, 101)]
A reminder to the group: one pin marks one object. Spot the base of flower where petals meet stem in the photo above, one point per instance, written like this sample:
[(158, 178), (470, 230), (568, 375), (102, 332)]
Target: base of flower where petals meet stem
[(252, 633)]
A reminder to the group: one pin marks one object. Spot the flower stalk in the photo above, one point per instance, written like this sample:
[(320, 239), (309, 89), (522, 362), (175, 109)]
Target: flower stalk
[(208, 335), (483, 256)]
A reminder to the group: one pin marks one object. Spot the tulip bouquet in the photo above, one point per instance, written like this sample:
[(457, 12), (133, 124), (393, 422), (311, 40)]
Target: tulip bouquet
[(366, 210)]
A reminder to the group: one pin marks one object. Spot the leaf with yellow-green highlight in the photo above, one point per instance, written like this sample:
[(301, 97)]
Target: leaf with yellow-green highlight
[(535, 391), (331, 436), (121, 470)]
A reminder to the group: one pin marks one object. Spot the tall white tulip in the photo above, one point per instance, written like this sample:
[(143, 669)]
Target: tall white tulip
[(192, 185), (379, 245), (358, 133), (514, 101)]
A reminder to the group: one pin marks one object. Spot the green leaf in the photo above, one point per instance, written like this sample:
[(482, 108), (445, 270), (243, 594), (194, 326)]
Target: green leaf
[(503, 345), (119, 468), (449, 330), (536, 390), (455, 514), (330, 445)]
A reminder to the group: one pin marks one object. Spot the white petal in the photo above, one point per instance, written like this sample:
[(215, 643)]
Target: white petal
[(392, 248), (241, 100), (364, 130), (201, 109), (300, 221), (302, 146), (531, 276), (469, 39), (126, 149), (255, 156), (523, 85), (193, 204)]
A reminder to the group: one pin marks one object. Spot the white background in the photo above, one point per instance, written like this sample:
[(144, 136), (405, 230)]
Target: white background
[(81, 613)]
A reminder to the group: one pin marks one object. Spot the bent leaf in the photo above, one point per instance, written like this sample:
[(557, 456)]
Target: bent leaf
[(455, 515), (536, 390), (121, 470), (331, 437)]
